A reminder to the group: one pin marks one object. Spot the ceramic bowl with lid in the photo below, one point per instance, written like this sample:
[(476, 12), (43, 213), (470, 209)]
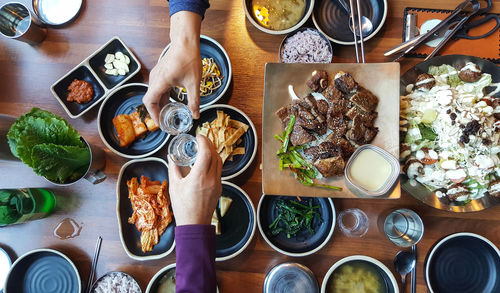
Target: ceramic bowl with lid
[(371, 171)]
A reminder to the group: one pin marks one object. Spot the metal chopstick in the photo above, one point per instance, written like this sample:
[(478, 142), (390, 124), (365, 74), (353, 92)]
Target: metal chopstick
[(354, 30), (94, 263), (413, 274), (362, 45)]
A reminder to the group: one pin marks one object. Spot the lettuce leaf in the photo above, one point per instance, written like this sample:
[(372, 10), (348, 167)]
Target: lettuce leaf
[(40, 127), (452, 77), (427, 132), (60, 163)]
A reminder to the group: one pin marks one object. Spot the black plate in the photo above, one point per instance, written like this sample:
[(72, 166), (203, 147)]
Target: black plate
[(155, 169), (237, 225), (303, 243), (419, 191), (96, 62), (60, 90), (124, 101), (43, 271), (239, 163), (463, 262), (209, 48), (331, 19)]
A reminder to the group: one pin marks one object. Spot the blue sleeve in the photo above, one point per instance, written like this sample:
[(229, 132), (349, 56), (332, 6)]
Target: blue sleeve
[(196, 6)]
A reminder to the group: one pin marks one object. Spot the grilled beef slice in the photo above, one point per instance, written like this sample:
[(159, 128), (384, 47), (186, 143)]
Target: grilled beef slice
[(319, 81), (345, 82), (332, 166), (365, 99)]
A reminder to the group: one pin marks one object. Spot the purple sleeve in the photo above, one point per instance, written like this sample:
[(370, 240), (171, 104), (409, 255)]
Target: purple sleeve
[(195, 250), (196, 6)]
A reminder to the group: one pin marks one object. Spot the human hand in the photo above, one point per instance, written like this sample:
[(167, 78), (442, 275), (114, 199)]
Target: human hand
[(195, 196), (180, 66)]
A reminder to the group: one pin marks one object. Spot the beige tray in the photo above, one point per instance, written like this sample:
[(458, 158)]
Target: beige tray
[(380, 78)]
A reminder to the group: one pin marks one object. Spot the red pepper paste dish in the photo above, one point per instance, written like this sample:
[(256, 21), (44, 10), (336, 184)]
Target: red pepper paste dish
[(80, 91)]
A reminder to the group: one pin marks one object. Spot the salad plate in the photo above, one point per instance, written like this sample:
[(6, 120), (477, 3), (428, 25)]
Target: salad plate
[(438, 197)]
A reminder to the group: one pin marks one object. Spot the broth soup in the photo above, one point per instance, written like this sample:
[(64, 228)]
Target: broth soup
[(278, 15), (356, 277)]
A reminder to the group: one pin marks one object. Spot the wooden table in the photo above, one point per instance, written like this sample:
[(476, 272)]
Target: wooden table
[(27, 73)]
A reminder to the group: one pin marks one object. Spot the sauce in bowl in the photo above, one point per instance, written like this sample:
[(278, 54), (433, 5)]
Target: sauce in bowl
[(278, 15)]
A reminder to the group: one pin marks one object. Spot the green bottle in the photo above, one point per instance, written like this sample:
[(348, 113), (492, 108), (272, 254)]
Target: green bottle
[(21, 205)]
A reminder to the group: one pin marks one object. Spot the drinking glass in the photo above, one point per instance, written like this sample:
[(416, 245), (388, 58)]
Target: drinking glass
[(183, 149), (175, 118), (404, 227), (353, 222)]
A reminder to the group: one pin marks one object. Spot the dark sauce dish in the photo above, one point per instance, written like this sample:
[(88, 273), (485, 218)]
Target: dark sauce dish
[(43, 271), (154, 169), (303, 243), (124, 100), (332, 20), (238, 224), (463, 262), (60, 91), (240, 163), (210, 48)]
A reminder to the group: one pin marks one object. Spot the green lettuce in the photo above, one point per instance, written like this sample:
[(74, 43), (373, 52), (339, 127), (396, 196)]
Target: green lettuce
[(44, 142), (452, 79)]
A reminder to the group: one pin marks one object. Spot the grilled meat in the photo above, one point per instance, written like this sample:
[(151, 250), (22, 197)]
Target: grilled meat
[(324, 150), (337, 123), (345, 82), (425, 81), (323, 107), (457, 190), (300, 136), (331, 93), (319, 81), (283, 113), (494, 188), (365, 99), (357, 112), (343, 145), (470, 72), (340, 106), (333, 166)]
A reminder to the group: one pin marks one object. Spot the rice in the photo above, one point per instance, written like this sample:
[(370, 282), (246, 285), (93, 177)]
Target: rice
[(306, 47), (117, 283)]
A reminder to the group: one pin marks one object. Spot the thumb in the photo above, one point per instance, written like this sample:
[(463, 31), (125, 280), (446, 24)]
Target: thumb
[(174, 172)]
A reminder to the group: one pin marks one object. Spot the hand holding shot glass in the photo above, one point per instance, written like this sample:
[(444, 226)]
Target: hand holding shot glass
[(176, 119)]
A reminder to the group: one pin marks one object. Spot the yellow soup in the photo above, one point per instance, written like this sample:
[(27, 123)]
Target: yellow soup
[(278, 14), (356, 277), (370, 170)]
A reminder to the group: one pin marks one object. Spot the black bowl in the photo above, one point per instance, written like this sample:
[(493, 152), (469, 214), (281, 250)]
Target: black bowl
[(303, 243), (96, 62), (43, 271), (155, 169), (237, 225), (463, 262), (331, 19), (124, 100), (210, 48), (60, 91), (240, 163)]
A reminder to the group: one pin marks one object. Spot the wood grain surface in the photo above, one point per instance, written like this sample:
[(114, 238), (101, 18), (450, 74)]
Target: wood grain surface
[(27, 72)]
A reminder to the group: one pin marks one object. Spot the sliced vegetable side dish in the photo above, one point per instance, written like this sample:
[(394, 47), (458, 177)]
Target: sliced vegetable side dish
[(451, 132), (294, 217), (151, 209)]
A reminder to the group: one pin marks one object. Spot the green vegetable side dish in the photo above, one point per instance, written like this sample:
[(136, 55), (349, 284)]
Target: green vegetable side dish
[(294, 217), (49, 145), (291, 158)]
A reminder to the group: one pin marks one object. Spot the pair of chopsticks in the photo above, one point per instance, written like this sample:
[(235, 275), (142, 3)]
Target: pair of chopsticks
[(359, 27), (94, 264)]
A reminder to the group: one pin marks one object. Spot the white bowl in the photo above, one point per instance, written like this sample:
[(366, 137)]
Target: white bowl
[(307, 13), (377, 263)]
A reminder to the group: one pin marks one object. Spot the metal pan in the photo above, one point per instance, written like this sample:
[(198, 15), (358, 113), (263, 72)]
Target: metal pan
[(418, 190)]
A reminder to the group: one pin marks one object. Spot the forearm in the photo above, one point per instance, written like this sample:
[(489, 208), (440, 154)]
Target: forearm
[(195, 250), (185, 29)]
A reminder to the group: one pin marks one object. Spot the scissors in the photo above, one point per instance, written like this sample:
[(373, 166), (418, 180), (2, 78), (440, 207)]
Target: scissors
[(458, 27), (453, 26)]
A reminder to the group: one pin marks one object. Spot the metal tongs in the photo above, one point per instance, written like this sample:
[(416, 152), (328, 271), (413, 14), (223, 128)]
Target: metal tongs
[(447, 28)]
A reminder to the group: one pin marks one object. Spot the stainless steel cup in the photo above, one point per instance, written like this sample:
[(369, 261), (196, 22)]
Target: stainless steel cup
[(404, 227), (17, 23)]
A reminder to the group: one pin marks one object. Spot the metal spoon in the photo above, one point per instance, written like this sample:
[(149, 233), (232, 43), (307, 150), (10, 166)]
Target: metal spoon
[(366, 23), (404, 263)]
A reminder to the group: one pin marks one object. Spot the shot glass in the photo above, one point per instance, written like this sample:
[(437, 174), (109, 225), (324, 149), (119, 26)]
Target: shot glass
[(17, 23), (353, 222), (175, 118), (183, 149), (403, 227)]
